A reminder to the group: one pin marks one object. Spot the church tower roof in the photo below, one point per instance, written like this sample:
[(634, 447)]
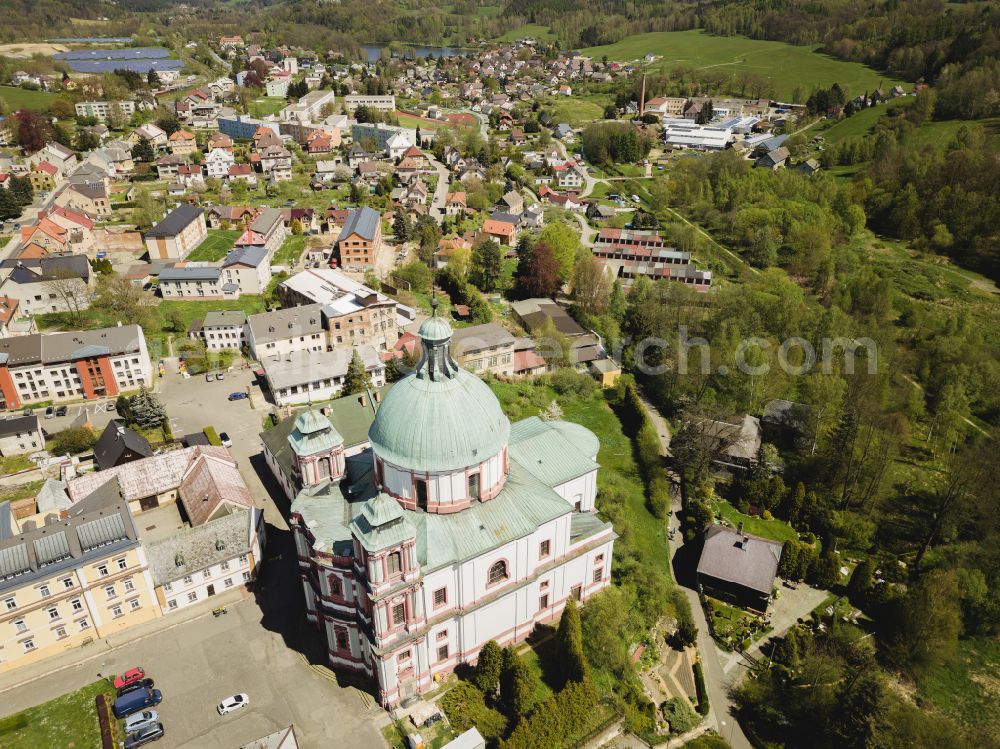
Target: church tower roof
[(313, 433)]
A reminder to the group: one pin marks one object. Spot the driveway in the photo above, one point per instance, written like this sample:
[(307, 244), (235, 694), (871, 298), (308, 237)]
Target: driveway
[(193, 404), (441, 191)]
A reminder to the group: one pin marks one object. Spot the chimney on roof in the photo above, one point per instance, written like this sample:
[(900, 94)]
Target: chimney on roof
[(363, 400)]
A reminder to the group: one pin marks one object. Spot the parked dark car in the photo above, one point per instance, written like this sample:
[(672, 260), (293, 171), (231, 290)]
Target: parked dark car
[(135, 701), (144, 736), (237, 396), (141, 684), (61, 411)]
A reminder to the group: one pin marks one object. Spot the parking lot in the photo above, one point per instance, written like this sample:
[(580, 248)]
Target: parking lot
[(194, 404), (260, 647)]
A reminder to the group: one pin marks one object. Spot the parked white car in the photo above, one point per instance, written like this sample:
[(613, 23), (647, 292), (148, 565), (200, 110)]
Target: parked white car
[(235, 702)]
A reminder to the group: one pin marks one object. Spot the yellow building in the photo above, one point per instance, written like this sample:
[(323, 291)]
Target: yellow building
[(70, 576), (606, 371)]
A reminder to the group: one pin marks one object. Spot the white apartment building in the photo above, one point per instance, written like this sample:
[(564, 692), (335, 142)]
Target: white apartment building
[(102, 110), (78, 364), (385, 103)]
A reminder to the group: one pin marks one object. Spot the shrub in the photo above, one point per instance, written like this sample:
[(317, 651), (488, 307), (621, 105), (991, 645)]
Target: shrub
[(213, 436), (72, 441), (488, 667), (557, 721), (679, 715), (658, 496), (687, 630), (699, 686), (567, 381), (466, 708)]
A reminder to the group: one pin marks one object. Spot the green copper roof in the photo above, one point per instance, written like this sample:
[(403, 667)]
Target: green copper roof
[(553, 451), (351, 418), (381, 523), (313, 433), (441, 417), (435, 329), (334, 510)]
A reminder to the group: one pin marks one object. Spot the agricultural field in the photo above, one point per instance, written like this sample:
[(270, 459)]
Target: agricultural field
[(21, 98), (772, 60)]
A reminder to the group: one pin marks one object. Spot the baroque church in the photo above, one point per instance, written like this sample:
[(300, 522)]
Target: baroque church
[(443, 527)]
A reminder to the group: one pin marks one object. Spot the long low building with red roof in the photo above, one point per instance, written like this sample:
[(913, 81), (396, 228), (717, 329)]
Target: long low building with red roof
[(629, 254)]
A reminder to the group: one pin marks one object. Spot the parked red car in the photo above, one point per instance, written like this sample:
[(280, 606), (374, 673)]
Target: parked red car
[(129, 677)]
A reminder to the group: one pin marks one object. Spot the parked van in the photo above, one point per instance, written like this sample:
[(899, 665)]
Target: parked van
[(135, 701)]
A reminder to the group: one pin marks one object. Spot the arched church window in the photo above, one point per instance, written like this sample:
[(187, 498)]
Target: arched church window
[(498, 573)]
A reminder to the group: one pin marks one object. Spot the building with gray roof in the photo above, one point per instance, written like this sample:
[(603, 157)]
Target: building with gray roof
[(72, 365), (738, 568)]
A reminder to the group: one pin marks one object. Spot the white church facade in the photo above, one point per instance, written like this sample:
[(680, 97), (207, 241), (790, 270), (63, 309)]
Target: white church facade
[(453, 527)]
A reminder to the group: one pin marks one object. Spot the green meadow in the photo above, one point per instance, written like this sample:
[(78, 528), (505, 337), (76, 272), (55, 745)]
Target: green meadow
[(787, 66)]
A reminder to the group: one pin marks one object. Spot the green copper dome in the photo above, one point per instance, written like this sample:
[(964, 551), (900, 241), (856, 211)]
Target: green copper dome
[(313, 433), (441, 417), (435, 329)]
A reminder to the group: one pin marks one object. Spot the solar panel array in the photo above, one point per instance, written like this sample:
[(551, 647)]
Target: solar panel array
[(139, 59)]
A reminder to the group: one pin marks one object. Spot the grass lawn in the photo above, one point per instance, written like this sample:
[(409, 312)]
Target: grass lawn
[(734, 627), (408, 120), (290, 251), (68, 722), (13, 463), (619, 469), (191, 310), (776, 530), (434, 737), (967, 688), (20, 491), (21, 98), (576, 110), (862, 123), (216, 245), (944, 131), (772, 60), (266, 105)]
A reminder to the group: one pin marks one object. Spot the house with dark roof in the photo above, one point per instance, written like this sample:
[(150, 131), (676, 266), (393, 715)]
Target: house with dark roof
[(360, 240), (118, 445), (90, 197), (53, 283), (221, 329), (180, 232), (72, 365), (738, 568), (249, 268), (20, 434)]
